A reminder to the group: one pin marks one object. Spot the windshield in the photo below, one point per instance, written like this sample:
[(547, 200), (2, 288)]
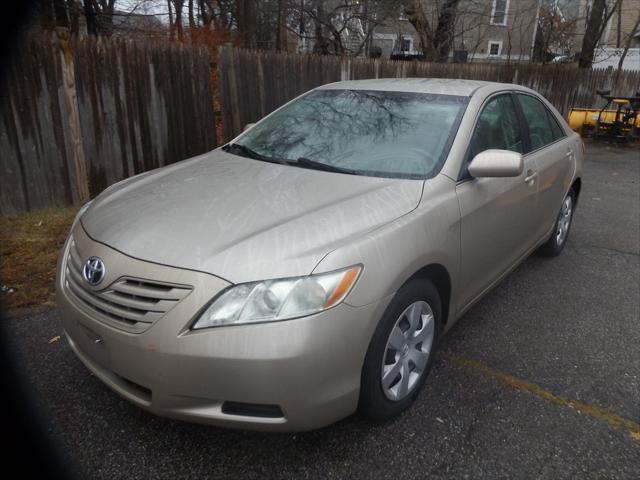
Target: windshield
[(379, 133)]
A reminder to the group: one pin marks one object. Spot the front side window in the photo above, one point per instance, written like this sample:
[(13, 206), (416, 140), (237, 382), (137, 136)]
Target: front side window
[(541, 131), (376, 133), (497, 127), (499, 12)]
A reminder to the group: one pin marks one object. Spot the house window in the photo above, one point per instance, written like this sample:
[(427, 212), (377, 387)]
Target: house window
[(405, 45), (495, 48), (499, 12)]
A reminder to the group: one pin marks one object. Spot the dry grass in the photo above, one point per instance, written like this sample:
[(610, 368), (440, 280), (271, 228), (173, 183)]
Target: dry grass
[(29, 247)]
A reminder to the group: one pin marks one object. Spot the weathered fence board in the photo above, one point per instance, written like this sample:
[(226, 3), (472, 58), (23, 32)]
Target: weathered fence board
[(78, 116), (253, 84)]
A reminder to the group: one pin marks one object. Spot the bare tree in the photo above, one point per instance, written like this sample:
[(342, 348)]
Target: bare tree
[(625, 50), (598, 18), (192, 18), (436, 44), (176, 28), (555, 32), (443, 40), (217, 13), (53, 14), (99, 16), (418, 18), (281, 29), (340, 27), (74, 16), (170, 9), (246, 21)]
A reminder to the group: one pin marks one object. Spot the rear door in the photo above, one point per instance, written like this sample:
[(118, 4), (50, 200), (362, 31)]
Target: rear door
[(498, 215), (553, 152)]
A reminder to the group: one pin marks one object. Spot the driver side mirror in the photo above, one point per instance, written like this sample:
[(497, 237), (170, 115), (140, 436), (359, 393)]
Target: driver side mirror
[(496, 163), (248, 126)]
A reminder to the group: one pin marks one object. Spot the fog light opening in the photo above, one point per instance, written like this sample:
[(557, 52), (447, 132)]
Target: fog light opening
[(252, 410)]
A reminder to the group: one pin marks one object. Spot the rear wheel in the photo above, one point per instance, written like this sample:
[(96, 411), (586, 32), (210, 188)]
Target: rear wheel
[(560, 233), (401, 351)]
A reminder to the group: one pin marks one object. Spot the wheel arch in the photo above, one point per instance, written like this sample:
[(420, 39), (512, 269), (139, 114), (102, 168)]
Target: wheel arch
[(439, 275), (576, 186)]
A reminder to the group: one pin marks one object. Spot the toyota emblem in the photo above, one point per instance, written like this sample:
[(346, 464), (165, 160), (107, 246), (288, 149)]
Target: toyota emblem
[(94, 271)]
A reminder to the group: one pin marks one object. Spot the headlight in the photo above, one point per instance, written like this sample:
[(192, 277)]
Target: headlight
[(83, 209), (281, 299)]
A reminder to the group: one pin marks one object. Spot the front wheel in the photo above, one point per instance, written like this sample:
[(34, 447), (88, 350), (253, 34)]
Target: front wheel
[(401, 351), (560, 233)]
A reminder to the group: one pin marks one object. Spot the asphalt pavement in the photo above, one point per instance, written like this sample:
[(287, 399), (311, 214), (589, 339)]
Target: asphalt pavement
[(540, 380)]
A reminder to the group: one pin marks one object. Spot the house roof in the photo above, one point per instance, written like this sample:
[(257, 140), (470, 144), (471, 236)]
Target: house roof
[(444, 86)]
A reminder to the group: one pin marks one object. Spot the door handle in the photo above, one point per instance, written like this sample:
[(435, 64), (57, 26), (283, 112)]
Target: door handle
[(569, 154), (531, 176)]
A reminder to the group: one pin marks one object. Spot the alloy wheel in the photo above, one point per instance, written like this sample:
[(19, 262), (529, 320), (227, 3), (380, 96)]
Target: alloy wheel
[(564, 220), (407, 352)]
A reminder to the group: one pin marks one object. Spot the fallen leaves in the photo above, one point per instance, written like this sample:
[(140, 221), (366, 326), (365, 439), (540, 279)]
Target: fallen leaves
[(29, 246)]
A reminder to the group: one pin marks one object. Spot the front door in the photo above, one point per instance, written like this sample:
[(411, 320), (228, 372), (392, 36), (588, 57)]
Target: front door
[(498, 215)]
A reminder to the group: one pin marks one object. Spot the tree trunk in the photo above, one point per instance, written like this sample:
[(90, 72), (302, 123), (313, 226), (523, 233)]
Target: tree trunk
[(192, 19), (322, 45), (90, 15), (103, 12), (418, 19), (619, 25), (627, 44), (178, 28), (551, 23), (205, 17), (592, 33), (443, 40), (246, 18), (47, 14), (61, 14), (74, 17), (281, 32)]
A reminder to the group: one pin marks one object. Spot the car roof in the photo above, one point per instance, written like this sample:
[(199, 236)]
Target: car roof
[(442, 86)]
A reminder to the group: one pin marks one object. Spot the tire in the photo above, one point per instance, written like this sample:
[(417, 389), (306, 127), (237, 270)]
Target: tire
[(558, 239), (418, 299)]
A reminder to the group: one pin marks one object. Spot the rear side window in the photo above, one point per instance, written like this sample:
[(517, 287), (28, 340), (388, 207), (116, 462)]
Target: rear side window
[(555, 127), (497, 127), (543, 129)]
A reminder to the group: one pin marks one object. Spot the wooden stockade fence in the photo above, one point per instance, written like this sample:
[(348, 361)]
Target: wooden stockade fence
[(253, 84), (77, 116)]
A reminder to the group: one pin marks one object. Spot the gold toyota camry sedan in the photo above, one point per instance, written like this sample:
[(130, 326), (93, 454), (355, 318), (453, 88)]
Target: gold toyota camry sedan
[(308, 268)]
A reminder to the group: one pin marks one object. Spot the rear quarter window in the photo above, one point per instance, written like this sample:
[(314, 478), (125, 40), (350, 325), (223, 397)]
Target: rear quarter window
[(556, 129), (543, 128)]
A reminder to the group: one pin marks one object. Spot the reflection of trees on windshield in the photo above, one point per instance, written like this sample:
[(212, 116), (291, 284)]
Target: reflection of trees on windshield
[(370, 131)]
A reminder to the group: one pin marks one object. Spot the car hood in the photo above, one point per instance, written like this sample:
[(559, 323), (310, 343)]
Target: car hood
[(243, 219)]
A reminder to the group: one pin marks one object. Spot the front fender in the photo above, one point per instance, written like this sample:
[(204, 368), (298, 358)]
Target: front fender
[(391, 254)]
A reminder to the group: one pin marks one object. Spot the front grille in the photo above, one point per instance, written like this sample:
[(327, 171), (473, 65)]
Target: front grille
[(129, 303)]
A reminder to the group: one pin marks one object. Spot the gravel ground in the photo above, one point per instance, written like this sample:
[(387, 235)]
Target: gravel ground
[(540, 379)]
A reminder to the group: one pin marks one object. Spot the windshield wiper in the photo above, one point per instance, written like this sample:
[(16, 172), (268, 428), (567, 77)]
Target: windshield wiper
[(301, 162), (314, 165), (247, 152)]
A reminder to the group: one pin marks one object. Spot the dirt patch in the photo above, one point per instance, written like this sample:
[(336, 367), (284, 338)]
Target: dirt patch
[(29, 247)]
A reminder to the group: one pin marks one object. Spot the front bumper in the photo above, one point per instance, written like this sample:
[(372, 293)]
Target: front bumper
[(308, 367)]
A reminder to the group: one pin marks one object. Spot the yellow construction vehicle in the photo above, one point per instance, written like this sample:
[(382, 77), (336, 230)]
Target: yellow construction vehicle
[(617, 121)]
